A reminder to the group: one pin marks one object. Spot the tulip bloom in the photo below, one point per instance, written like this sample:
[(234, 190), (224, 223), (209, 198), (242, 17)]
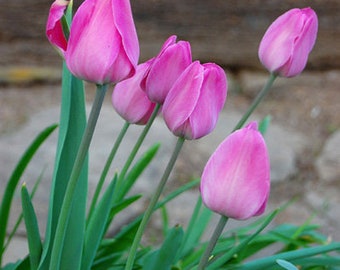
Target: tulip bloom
[(236, 179), (130, 101), (103, 45), (285, 46), (194, 102), (166, 68)]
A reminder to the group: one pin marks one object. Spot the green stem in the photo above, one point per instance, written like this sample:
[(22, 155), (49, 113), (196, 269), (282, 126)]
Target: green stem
[(77, 167), (213, 240), (107, 167), (153, 202), (136, 148), (256, 101)]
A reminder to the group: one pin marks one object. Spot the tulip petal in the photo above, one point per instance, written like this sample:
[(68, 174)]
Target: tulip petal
[(182, 98), (54, 29), (130, 101), (125, 25), (303, 45), (278, 41), (211, 101), (235, 181), (166, 68)]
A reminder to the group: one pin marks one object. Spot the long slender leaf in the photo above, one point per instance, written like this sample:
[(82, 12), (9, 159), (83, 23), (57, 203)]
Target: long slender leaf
[(14, 180), (96, 227), (72, 126), (33, 235), (137, 170), (18, 222), (224, 258), (291, 256), (164, 258)]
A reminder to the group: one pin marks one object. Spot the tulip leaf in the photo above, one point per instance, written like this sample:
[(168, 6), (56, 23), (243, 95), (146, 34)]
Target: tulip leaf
[(137, 170), (229, 254), (264, 124), (14, 180), (197, 226), (33, 235), (164, 258), (72, 126), (17, 223), (96, 227), (286, 265)]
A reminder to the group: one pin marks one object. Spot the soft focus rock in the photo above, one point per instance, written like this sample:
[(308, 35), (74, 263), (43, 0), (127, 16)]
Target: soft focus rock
[(328, 163)]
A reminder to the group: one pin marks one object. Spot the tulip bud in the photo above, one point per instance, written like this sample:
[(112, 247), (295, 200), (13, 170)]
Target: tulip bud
[(103, 45), (54, 28), (193, 104), (285, 46), (166, 68), (236, 179), (130, 101)]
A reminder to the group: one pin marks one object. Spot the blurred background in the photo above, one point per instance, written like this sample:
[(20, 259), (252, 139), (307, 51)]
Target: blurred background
[(305, 111), (224, 31)]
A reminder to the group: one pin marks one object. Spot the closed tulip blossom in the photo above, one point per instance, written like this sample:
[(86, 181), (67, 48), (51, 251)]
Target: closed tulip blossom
[(192, 106), (236, 179), (130, 101), (286, 45), (166, 68), (103, 45)]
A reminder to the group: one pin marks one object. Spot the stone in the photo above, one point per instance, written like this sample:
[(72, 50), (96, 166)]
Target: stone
[(328, 162)]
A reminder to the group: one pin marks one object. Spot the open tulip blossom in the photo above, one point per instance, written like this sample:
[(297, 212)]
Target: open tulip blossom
[(192, 106), (103, 46), (285, 46), (236, 179)]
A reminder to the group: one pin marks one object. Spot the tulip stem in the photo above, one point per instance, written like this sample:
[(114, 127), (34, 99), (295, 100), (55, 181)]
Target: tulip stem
[(213, 240), (152, 204), (256, 101), (107, 166), (76, 170), (136, 148)]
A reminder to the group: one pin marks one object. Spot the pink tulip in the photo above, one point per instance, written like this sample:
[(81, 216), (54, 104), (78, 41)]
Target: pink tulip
[(103, 45), (285, 47), (54, 29), (166, 68), (130, 101), (193, 104), (236, 179)]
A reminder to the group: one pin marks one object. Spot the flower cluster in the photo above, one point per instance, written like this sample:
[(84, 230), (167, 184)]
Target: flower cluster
[(101, 46), (235, 181)]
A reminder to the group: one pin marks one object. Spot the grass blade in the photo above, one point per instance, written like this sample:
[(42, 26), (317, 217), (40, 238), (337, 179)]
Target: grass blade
[(32, 229), (14, 180)]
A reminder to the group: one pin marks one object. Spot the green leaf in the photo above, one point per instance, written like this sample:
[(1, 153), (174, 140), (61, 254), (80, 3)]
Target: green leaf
[(291, 256), (136, 171), (286, 265), (164, 258), (18, 222), (19, 265), (197, 226), (227, 255), (14, 180), (96, 227), (72, 126), (264, 124), (32, 229)]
